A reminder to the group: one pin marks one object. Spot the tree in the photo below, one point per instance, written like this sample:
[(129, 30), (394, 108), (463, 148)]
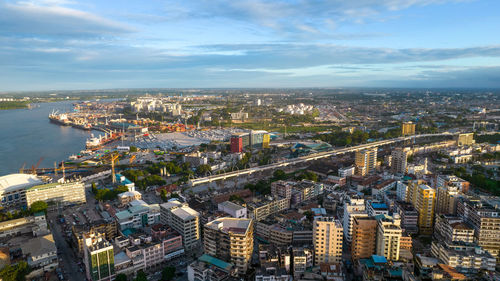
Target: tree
[(203, 169), (279, 175), (141, 276), (168, 273), (38, 206), (133, 149), (121, 277), (163, 195), (16, 272)]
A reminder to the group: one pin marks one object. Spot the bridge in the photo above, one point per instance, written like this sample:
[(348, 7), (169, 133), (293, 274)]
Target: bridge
[(310, 157)]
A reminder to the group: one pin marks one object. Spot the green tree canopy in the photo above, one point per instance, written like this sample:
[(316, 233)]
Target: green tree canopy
[(168, 273), (38, 206), (121, 277), (141, 276), (15, 272)]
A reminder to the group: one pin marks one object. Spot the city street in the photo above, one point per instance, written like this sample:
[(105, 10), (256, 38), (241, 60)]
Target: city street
[(67, 259)]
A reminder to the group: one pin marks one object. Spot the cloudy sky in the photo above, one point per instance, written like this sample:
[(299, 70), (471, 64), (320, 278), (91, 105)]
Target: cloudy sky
[(59, 44)]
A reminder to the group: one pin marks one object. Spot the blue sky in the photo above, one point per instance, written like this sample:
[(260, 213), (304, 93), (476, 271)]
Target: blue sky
[(66, 44)]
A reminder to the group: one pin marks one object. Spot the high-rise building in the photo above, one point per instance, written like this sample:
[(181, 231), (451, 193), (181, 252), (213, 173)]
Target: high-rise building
[(485, 219), (364, 235), (423, 198), (327, 239), (465, 139), (353, 207), (184, 220), (236, 144), (98, 258), (257, 138), (366, 161), (447, 198), (281, 189), (399, 160), (451, 180), (230, 240), (408, 128), (388, 236)]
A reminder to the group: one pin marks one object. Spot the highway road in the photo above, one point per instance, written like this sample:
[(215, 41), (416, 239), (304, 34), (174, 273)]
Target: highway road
[(311, 157)]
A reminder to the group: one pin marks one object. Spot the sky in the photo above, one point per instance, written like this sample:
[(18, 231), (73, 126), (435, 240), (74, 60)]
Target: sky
[(71, 45)]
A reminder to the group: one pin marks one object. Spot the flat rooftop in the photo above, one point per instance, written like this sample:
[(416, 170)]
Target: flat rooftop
[(230, 225)]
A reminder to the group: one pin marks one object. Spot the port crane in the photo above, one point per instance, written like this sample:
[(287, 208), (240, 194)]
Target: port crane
[(34, 167), (112, 158)]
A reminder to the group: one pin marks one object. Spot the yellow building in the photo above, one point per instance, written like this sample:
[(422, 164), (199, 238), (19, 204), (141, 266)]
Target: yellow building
[(366, 161), (423, 199), (230, 240), (388, 236), (266, 139), (327, 239), (408, 128), (465, 139)]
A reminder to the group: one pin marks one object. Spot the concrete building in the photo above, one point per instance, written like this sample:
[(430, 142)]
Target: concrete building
[(57, 194), (485, 219), (401, 190), (41, 254), (452, 180), (388, 236), (230, 240), (399, 157), (374, 208), (353, 207), (450, 229), (408, 128), (98, 258), (409, 216), (261, 208), (184, 220), (35, 225), (139, 214), (302, 259), (129, 196), (347, 171), (281, 189), (327, 239), (423, 198), (13, 189), (364, 237), (366, 161), (447, 198), (465, 139), (208, 268), (232, 209), (238, 143), (463, 257)]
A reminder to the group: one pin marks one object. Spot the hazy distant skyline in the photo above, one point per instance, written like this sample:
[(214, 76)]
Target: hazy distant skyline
[(64, 45)]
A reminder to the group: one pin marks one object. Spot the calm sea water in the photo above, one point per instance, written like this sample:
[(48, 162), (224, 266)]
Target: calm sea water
[(26, 135)]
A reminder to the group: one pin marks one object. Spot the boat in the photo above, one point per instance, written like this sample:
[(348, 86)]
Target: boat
[(60, 119), (95, 143), (83, 126)]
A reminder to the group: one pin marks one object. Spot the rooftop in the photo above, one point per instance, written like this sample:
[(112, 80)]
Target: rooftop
[(14, 182), (39, 246), (231, 205), (215, 261), (230, 225)]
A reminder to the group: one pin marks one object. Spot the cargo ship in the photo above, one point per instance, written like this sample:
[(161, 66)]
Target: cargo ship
[(95, 143), (60, 119)]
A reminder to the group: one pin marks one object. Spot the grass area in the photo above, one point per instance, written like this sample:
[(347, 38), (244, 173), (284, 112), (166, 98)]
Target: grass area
[(13, 104)]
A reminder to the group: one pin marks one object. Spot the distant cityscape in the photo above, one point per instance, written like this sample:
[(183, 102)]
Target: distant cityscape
[(264, 185)]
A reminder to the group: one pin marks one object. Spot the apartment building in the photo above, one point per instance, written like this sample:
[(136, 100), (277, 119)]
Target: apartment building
[(327, 240), (139, 214), (364, 237), (353, 207), (184, 220), (485, 219), (261, 208), (366, 161), (388, 236), (451, 229), (231, 240), (463, 257), (399, 158), (423, 198)]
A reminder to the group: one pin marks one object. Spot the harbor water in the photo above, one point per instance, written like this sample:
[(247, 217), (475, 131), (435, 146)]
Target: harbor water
[(26, 135)]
